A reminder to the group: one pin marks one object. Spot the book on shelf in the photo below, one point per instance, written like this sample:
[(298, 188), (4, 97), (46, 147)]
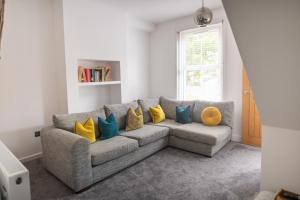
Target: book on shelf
[(81, 74), (96, 74), (103, 74), (87, 74), (92, 75), (108, 73)]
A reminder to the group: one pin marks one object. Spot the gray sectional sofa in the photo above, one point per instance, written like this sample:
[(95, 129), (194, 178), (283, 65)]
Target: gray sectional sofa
[(79, 164)]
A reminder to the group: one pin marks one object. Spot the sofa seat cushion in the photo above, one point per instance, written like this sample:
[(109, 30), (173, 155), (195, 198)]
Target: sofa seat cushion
[(147, 134), (204, 134), (169, 123), (106, 150)]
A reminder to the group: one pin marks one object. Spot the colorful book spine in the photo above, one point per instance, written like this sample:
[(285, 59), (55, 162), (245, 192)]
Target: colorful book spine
[(108, 73), (100, 74), (87, 74), (92, 75), (96, 75), (103, 74)]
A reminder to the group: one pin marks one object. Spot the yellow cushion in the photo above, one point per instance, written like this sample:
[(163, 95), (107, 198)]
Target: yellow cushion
[(211, 116), (157, 114), (135, 119), (87, 130)]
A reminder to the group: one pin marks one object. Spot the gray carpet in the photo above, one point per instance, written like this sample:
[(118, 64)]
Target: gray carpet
[(233, 173)]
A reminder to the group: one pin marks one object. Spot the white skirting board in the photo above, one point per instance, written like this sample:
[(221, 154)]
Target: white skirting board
[(31, 157), (14, 177)]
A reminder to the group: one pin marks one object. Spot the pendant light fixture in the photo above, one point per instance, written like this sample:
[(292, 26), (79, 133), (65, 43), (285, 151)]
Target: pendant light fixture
[(203, 16)]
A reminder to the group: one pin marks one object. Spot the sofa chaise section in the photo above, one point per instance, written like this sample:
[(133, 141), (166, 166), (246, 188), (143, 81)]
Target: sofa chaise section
[(196, 137), (197, 147), (204, 134)]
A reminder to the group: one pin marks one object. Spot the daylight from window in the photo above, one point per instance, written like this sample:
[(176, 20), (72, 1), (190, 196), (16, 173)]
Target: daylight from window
[(200, 64)]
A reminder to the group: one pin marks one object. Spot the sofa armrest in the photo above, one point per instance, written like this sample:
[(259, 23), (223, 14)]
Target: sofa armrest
[(67, 156)]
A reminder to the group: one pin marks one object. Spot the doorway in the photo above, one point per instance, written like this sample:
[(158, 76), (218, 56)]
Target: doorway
[(251, 119)]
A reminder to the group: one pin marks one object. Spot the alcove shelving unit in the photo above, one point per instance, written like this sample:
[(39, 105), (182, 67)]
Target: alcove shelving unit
[(93, 64), (107, 91)]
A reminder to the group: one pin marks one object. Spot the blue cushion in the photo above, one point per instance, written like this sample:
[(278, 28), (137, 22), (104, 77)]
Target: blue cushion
[(108, 127), (183, 114)]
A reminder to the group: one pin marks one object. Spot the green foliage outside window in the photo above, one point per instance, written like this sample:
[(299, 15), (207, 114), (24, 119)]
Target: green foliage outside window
[(202, 49)]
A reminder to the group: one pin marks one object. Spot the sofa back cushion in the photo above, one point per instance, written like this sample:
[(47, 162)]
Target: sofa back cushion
[(67, 121), (145, 105), (169, 106), (226, 109), (120, 112)]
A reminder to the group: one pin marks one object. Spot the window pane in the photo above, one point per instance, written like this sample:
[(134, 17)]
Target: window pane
[(202, 48), (193, 78), (200, 64), (202, 84)]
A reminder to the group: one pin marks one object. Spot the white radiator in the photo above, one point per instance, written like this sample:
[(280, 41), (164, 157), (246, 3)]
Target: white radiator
[(14, 177)]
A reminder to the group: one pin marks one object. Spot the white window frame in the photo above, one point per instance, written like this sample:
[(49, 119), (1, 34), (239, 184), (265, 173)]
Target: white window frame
[(181, 68)]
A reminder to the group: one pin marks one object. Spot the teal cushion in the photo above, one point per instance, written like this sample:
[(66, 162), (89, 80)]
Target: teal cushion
[(108, 127), (183, 114)]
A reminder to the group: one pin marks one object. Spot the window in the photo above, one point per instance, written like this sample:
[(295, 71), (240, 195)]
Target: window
[(200, 64)]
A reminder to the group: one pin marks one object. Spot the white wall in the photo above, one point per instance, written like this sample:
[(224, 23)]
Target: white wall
[(28, 83), (164, 63), (280, 159), (41, 44), (94, 30), (59, 56), (267, 33), (137, 75)]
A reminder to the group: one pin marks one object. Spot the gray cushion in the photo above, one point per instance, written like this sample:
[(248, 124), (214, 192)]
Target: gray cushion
[(169, 106), (197, 132), (106, 150), (145, 105), (226, 108), (120, 112), (67, 121), (169, 123), (147, 134)]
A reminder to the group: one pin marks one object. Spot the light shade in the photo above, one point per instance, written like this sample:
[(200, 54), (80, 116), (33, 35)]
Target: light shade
[(203, 16)]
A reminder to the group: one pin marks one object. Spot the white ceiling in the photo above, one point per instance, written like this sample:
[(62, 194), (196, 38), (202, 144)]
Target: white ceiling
[(157, 11)]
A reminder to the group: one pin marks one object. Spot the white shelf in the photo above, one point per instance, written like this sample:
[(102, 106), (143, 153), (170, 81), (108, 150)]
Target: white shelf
[(100, 83)]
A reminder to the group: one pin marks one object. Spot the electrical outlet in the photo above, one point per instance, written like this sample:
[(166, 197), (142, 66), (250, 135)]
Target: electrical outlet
[(37, 134)]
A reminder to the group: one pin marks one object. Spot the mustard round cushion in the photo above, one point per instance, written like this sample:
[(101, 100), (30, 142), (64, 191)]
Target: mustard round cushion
[(211, 116)]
